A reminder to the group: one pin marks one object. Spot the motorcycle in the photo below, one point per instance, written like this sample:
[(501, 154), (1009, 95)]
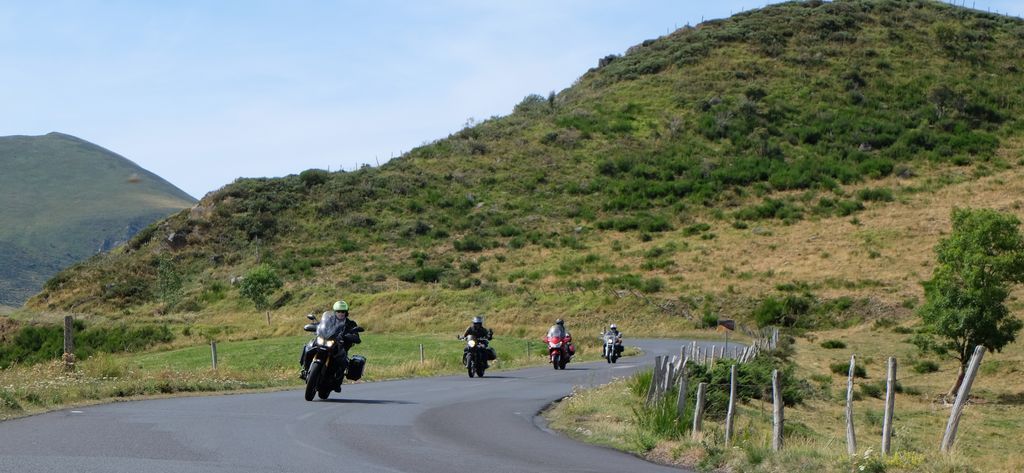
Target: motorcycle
[(475, 355), (326, 363), (560, 349), (612, 346)]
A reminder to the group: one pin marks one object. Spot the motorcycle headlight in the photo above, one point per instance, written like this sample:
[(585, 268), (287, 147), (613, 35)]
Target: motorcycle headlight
[(319, 340), (329, 344)]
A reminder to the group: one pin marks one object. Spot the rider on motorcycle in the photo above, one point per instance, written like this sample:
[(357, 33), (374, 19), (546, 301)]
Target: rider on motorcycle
[(613, 331), (559, 330), (332, 319), (481, 334)]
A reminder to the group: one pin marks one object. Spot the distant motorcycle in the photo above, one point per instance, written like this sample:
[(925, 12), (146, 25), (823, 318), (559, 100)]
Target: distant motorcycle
[(560, 349), (326, 363), (475, 355), (612, 346)]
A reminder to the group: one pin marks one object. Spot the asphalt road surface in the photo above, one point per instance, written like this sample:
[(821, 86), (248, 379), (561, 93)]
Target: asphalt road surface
[(444, 424)]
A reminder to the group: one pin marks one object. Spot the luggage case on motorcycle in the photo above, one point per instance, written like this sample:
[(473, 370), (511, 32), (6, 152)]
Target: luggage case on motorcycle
[(355, 368), (491, 354)]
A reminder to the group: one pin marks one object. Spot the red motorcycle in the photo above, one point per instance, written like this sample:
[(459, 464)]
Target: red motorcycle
[(560, 349)]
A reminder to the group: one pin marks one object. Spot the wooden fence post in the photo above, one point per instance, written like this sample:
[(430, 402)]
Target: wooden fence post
[(730, 415), (654, 381), (890, 405), (851, 436), (421, 354), (698, 409), (69, 342), (670, 372), (684, 382), (961, 398), (213, 353), (776, 412)]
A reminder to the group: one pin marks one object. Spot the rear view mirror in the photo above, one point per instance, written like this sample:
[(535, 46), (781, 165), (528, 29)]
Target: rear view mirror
[(310, 316), (309, 328), (358, 330)]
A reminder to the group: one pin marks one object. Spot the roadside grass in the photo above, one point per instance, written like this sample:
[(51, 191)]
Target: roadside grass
[(987, 440), (242, 365)]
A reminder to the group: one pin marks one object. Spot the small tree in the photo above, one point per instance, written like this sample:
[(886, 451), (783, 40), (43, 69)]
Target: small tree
[(259, 284), (964, 305)]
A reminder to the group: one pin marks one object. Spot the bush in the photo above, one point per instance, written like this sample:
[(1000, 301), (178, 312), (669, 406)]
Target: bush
[(878, 194), (925, 366), (843, 369), (833, 344), (425, 274), (786, 312), (471, 243), (259, 284), (708, 320), (314, 177)]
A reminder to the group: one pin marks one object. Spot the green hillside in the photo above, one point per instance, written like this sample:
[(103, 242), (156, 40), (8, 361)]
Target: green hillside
[(65, 199), (680, 175)]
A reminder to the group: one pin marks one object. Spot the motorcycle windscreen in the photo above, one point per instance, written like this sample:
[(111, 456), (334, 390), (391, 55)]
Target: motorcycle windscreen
[(329, 324), (556, 331)]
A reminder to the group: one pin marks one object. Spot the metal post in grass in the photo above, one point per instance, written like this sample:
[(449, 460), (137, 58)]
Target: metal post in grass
[(527, 349), (213, 353), (961, 398), (69, 342), (890, 404), (730, 415), (651, 391), (681, 399), (421, 354), (698, 409), (851, 436), (776, 412)]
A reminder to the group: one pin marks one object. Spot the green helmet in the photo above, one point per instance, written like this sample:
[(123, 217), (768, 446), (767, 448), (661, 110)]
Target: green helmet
[(341, 306)]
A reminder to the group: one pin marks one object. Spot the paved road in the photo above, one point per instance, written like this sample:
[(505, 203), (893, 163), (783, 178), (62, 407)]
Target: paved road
[(444, 424)]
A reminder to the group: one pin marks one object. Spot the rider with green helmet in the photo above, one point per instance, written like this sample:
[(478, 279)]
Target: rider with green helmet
[(332, 319)]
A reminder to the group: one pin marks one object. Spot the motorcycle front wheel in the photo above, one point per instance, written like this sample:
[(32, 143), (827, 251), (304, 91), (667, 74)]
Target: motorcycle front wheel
[(312, 380), (556, 362)]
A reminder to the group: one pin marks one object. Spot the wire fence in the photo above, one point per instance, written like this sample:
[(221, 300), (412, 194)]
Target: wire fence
[(671, 374)]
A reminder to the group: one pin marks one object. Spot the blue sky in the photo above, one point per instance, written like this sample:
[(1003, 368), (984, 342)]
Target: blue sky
[(204, 92)]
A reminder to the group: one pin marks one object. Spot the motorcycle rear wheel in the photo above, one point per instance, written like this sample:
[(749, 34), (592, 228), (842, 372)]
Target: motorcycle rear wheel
[(312, 380)]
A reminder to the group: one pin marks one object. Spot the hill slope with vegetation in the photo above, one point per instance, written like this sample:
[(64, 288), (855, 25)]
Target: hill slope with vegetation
[(806, 152), (65, 199)]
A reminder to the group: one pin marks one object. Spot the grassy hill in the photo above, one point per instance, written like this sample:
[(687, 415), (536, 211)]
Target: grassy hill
[(805, 151), (65, 199)]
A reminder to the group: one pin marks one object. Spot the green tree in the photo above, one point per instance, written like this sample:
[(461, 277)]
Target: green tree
[(965, 298), (259, 284)]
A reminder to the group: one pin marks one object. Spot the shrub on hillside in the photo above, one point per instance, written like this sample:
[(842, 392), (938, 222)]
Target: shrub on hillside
[(833, 344), (925, 366), (843, 368)]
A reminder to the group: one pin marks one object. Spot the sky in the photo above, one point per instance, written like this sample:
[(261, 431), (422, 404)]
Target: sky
[(203, 92)]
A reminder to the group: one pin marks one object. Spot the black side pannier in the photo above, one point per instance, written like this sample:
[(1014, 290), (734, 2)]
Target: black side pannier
[(355, 367), (491, 354)]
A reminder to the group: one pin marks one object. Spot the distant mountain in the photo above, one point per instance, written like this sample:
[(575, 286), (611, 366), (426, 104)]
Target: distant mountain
[(63, 199)]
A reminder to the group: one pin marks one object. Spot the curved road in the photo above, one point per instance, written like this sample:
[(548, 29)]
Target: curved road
[(443, 424)]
